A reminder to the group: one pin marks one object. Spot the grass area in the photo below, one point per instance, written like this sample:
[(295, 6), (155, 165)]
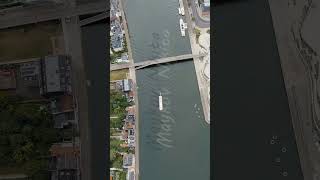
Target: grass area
[(119, 74), (28, 41)]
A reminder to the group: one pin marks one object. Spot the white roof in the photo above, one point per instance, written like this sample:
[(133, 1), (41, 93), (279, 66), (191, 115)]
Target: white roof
[(206, 2)]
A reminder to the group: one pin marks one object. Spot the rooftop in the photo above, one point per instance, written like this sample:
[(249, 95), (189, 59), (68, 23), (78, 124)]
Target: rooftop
[(7, 79)]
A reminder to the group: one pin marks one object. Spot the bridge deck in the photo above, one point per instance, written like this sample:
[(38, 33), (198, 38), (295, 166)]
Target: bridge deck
[(146, 63), (34, 14), (95, 18)]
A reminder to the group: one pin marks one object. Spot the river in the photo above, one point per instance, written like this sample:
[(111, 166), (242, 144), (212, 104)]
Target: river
[(95, 55), (174, 143), (254, 138)]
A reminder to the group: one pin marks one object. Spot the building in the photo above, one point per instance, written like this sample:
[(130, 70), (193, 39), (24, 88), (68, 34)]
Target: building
[(131, 96), (62, 120), (61, 104), (128, 161), (117, 37), (64, 162), (127, 85), (131, 141), (55, 75), (205, 8), (130, 110), (130, 117), (7, 79), (62, 110), (130, 174), (116, 85), (127, 131), (29, 70), (123, 59)]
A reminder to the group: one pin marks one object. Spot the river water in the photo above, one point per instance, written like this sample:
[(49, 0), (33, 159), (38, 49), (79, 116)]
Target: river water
[(95, 54), (254, 138), (174, 143)]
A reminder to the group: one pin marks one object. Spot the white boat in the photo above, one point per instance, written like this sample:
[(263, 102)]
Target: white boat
[(182, 11), (179, 10), (182, 28), (181, 7), (160, 102)]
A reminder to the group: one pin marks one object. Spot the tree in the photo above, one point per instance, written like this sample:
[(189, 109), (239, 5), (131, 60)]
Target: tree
[(117, 163), (26, 133), (197, 32), (116, 123), (122, 176), (34, 166), (118, 103)]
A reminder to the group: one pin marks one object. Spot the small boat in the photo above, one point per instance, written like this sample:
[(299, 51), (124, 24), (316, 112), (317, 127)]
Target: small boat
[(181, 7), (182, 28), (182, 11), (160, 102), (179, 10)]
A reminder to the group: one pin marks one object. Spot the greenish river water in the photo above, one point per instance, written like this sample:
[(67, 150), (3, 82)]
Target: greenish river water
[(174, 143)]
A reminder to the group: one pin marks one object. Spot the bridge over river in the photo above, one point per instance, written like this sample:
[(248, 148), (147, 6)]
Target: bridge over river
[(146, 63)]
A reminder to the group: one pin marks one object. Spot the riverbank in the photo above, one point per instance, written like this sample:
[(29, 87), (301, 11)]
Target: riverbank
[(203, 83), (132, 74), (292, 24)]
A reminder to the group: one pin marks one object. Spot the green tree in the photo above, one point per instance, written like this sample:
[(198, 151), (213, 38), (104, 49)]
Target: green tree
[(34, 166), (197, 32), (117, 163), (122, 176)]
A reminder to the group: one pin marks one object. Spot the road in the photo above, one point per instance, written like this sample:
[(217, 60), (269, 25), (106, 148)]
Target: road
[(146, 63), (72, 37), (95, 18), (200, 22), (35, 14)]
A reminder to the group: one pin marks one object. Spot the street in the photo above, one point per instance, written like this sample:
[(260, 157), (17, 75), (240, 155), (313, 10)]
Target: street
[(200, 22)]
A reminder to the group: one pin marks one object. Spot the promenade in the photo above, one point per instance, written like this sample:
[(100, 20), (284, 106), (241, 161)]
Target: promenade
[(201, 82)]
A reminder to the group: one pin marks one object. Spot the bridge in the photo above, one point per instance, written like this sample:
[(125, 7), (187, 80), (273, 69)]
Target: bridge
[(35, 14), (95, 18), (147, 63)]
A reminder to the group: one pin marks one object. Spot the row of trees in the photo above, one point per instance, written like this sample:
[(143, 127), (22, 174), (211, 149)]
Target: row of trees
[(118, 104)]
